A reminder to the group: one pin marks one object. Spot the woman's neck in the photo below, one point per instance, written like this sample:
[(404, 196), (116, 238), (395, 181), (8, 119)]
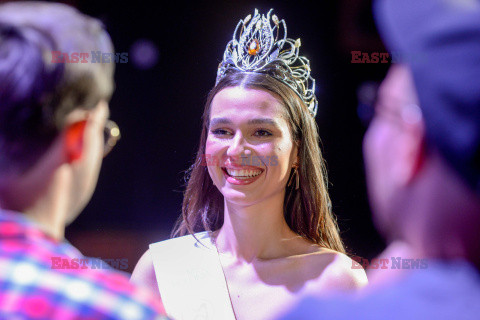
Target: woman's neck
[(257, 231)]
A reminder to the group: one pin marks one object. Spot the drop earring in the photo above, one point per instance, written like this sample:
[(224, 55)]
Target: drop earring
[(296, 176)]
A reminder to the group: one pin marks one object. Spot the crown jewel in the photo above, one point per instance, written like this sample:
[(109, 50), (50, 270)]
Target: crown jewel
[(260, 44)]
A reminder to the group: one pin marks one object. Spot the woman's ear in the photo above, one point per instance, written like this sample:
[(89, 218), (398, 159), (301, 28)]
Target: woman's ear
[(74, 140)]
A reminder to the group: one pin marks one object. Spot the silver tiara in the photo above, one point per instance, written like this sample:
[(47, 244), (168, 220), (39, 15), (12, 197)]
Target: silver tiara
[(260, 44)]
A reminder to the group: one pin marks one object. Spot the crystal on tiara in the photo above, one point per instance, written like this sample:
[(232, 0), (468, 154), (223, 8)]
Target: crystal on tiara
[(254, 47), (259, 46)]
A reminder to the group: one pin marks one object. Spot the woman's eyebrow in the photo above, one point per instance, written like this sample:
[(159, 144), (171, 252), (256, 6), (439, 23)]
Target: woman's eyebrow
[(216, 121), (263, 121)]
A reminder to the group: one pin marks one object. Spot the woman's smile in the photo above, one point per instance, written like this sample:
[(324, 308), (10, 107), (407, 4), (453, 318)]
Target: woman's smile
[(241, 175)]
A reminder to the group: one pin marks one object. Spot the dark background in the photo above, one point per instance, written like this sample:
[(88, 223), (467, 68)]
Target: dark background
[(158, 109)]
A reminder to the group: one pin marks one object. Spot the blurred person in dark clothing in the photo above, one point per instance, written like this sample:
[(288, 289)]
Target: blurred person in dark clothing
[(422, 156)]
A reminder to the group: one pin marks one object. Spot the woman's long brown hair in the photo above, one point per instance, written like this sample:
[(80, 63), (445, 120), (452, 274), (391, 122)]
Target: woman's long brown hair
[(307, 211)]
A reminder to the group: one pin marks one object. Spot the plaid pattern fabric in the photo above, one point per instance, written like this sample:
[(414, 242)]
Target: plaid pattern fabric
[(31, 288)]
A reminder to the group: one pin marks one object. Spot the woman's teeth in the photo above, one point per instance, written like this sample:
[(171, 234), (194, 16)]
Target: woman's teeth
[(243, 174)]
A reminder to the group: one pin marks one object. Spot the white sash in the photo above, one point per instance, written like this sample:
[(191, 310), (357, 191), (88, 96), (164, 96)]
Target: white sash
[(190, 278)]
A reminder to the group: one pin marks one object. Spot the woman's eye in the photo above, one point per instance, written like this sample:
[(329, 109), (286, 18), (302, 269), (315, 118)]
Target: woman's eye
[(219, 132), (262, 133)]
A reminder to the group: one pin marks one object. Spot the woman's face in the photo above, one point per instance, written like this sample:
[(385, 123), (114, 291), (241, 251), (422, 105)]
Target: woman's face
[(249, 148)]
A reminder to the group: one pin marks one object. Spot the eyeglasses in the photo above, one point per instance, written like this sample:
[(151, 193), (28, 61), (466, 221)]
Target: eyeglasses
[(111, 135), (367, 98)]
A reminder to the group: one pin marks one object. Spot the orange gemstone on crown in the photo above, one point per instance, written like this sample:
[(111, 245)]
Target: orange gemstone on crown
[(253, 47)]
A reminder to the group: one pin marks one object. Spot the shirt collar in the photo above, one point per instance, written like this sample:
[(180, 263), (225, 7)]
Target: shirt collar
[(16, 225)]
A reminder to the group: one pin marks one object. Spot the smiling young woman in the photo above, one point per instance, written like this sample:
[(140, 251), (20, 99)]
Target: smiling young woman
[(288, 132), (255, 235)]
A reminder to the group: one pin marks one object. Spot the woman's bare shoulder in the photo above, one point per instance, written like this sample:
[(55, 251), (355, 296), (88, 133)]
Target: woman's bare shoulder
[(340, 273), (144, 273)]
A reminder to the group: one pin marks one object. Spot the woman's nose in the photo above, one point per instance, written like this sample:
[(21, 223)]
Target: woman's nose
[(237, 146)]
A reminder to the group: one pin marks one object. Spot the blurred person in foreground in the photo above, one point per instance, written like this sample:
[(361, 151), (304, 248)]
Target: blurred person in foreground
[(422, 156), (53, 122)]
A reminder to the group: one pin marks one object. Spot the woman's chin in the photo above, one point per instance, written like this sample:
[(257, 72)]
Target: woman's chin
[(239, 197)]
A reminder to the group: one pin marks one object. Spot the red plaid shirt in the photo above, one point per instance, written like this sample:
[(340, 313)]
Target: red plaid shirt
[(31, 288)]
